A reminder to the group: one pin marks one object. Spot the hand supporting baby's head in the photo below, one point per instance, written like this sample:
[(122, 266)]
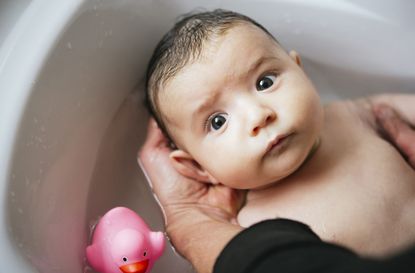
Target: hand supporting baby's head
[(239, 109)]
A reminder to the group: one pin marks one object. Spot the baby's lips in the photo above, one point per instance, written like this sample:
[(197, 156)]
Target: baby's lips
[(138, 267)]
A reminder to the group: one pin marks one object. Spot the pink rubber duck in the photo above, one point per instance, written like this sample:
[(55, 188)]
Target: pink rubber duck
[(122, 242)]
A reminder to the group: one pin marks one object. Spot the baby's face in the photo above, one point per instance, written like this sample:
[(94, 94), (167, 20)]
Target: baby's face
[(245, 111)]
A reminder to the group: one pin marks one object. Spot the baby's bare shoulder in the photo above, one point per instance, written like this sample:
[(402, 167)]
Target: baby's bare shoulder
[(362, 109), (356, 112)]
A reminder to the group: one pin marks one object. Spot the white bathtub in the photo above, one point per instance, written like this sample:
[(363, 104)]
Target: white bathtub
[(70, 127)]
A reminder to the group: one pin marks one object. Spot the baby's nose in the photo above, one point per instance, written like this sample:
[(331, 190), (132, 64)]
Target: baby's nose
[(262, 119)]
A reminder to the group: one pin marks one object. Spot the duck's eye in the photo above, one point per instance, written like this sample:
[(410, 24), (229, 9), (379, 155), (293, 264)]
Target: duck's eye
[(265, 82), (124, 259), (218, 121), (145, 253)]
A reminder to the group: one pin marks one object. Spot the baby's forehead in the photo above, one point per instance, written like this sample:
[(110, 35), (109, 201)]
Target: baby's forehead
[(238, 35), (221, 57), (238, 38), (229, 54)]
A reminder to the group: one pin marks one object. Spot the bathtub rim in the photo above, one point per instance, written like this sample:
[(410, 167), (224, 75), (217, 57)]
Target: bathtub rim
[(38, 29)]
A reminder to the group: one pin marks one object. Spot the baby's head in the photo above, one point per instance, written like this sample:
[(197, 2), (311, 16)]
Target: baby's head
[(238, 108)]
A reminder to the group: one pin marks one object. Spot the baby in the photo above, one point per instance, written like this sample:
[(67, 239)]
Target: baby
[(242, 112)]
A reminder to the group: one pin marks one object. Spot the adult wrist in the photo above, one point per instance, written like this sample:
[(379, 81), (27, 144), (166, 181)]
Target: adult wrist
[(199, 237)]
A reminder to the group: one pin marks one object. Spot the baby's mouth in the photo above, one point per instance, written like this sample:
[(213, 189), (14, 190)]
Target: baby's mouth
[(277, 143)]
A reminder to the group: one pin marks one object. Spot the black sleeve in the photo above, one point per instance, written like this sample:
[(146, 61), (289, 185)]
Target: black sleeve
[(288, 246)]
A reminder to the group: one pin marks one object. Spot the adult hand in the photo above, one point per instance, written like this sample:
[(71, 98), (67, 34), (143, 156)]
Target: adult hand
[(200, 218), (399, 132)]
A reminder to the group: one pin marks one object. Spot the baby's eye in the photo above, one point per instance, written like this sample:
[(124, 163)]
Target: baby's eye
[(217, 121), (265, 82)]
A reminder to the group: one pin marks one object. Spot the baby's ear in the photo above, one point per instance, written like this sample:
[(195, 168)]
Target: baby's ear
[(296, 58), (187, 166)]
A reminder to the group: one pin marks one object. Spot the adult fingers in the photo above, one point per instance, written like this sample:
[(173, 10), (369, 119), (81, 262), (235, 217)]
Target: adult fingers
[(154, 160), (155, 138), (154, 156), (399, 131)]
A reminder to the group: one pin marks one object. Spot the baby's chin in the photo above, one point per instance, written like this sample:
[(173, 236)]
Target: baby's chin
[(260, 185), (272, 174), (270, 183), (287, 171)]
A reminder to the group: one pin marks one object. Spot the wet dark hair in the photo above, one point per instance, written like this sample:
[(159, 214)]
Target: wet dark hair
[(183, 44)]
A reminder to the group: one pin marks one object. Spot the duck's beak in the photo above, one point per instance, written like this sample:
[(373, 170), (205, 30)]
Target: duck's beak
[(138, 267)]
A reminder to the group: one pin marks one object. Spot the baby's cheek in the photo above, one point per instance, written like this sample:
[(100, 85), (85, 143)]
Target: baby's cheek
[(309, 115), (232, 162), (239, 175)]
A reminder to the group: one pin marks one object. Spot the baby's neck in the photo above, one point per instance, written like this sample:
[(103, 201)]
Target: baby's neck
[(312, 151)]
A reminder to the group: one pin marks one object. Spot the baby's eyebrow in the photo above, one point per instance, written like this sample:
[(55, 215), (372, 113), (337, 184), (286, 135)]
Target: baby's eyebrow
[(255, 65), (206, 104)]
